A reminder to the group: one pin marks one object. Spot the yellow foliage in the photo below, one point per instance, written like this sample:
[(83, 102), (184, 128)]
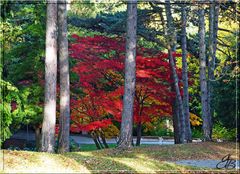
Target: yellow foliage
[(111, 131), (195, 120), (148, 126), (115, 76)]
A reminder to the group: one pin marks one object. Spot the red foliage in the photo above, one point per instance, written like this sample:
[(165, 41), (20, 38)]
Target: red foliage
[(100, 67)]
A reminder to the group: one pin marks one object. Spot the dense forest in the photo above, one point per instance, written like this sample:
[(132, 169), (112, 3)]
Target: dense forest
[(119, 70)]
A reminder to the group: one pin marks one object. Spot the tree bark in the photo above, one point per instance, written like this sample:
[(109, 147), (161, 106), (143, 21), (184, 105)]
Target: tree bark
[(171, 46), (103, 139), (139, 133), (99, 141), (213, 28), (49, 120), (185, 76), (64, 126), (139, 125), (37, 137), (179, 102), (94, 137), (203, 81), (176, 122), (125, 140)]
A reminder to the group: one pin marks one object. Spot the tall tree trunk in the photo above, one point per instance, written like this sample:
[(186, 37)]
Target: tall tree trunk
[(213, 28), (125, 140), (175, 109), (49, 120), (171, 46), (203, 81), (64, 126), (185, 76)]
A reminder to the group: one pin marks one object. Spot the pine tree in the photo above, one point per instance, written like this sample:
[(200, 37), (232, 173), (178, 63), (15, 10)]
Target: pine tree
[(171, 46), (64, 121), (125, 140), (203, 77), (185, 75)]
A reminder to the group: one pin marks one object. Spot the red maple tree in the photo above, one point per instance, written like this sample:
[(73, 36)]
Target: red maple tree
[(100, 67)]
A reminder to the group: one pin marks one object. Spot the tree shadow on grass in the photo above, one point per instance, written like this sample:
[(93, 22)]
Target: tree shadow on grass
[(123, 162), (99, 164)]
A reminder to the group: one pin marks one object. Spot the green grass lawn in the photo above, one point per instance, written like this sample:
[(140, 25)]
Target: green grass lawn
[(148, 159), (91, 147)]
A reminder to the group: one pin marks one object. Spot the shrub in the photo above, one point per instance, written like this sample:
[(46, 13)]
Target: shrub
[(157, 129), (221, 132), (197, 132)]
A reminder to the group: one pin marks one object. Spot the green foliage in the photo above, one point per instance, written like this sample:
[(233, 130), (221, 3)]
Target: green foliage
[(23, 50), (221, 132), (197, 132), (158, 128), (87, 8), (83, 32), (31, 104), (161, 132), (24, 43), (226, 94), (9, 117), (19, 107)]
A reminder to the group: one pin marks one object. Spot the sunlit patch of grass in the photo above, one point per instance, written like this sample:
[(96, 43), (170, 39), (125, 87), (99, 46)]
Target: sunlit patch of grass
[(35, 162)]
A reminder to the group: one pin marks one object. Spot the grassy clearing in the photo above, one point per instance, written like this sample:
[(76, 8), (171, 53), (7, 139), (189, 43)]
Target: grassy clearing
[(151, 159)]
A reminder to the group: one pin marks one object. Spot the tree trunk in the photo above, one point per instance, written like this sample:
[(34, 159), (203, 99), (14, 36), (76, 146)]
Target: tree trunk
[(96, 143), (213, 28), (99, 141), (94, 137), (203, 82), (125, 140), (64, 126), (49, 120), (38, 137), (176, 122), (139, 133), (171, 46), (104, 140), (139, 125), (178, 97), (185, 76)]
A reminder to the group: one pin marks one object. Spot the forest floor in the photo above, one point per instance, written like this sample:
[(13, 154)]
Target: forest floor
[(149, 159)]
